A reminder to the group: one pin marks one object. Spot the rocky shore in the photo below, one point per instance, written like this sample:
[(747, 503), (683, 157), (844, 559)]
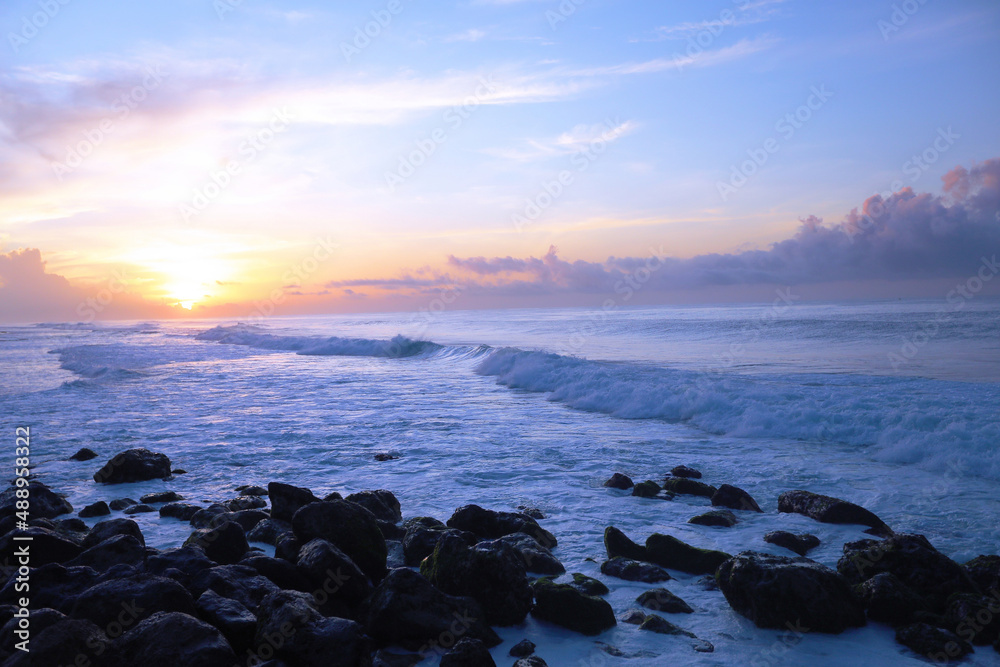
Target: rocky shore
[(354, 581)]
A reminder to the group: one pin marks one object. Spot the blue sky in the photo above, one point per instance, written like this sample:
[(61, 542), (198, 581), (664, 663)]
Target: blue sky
[(643, 109)]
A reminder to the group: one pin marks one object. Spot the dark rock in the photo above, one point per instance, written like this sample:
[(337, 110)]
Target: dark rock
[(619, 481), (633, 570), (831, 510), (522, 649), (133, 465), (188, 561), (225, 544), (633, 617), (182, 511), (84, 454), (248, 519), (141, 508), (531, 661), (381, 503), (311, 640), (687, 486), (121, 503), (52, 585), (39, 620), (232, 619), (800, 544), (211, 516), (61, 644), (100, 508), (531, 512), (735, 498), (349, 527), (985, 572), (685, 471), (330, 570), (287, 547), (670, 552), (236, 582), (888, 600), (46, 546), (245, 503), (408, 611), (178, 471), (718, 518), (773, 591), (422, 536), (170, 639), (161, 497), (116, 550), (535, 557), (283, 574), (383, 456), (588, 585), (490, 525), (468, 653), (491, 573), (390, 531), (933, 643), (567, 607), (268, 530), (647, 489), (617, 544), (660, 625), (286, 500), (660, 599), (251, 490), (72, 527), (130, 599), (975, 618), (43, 502), (111, 527), (919, 565)]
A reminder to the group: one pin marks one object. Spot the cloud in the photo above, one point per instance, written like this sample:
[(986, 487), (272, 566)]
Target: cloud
[(580, 138), (470, 35)]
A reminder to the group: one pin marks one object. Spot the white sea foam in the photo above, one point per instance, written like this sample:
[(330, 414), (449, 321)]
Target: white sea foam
[(252, 336)]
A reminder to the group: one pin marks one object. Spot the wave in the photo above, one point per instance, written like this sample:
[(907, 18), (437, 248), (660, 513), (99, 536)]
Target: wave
[(252, 336), (949, 426)]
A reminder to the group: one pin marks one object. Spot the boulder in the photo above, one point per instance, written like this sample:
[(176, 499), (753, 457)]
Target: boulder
[(800, 544), (420, 539), (827, 509), (468, 653), (245, 503), (62, 643), (617, 544), (46, 546), (534, 556), (888, 600), (231, 618), (619, 481), (251, 490), (39, 620), (647, 489), (330, 570), (53, 585), (161, 497), (633, 570), (182, 511), (310, 639), (690, 487), (286, 500), (100, 508), (279, 571), (236, 582), (522, 649), (975, 618), (141, 508), (531, 661), (348, 526), (111, 527), (685, 471), (717, 518), (633, 617), (383, 504), (669, 552), (134, 465), (660, 625), (130, 599), (985, 572), (268, 530), (735, 498), (248, 519), (225, 544), (83, 454), (188, 561), (287, 547), (43, 502), (121, 503), (774, 591), (170, 639), (408, 611), (935, 644), (588, 585), (490, 525), (209, 517), (660, 599), (116, 550), (567, 607)]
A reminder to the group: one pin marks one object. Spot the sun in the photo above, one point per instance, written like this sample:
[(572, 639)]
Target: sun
[(184, 275)]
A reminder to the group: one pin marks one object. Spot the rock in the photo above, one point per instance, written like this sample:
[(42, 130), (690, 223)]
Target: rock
[(283, 574), (468, 653), (690, 487), (390, 531), (671, 553), (933, 643), (37, 622), (522, 649), (52, 585), (330, 570), (286, 500), (633, 570), (182, 511), (170, 639), (267, 531), (408, 611), (84, 454), (225, 544), (773, 591), (383, 456), (660, 599), (245, 503), (111, 527), (349, 527), (588, 585), (46, 546), (491, 573), (531, 661), (985, 572), (421, 537), (116, 550), (490, 525), (975, 618), (43, 502), (685, 471), (619, 481), (209, 517), (735, 498), (888, 600), (232, 619), (287, 547), (383, 504), (718, 518), (61, 644), (927, 571), (133, 465), (161, 497), (189, 561), (178, 471), (122, 503), (633, 617), (531, 512), (647, 489), (662, 626), (800, 544), (826, 509), (617, 544), (141, 508), (248, 519), (130, 599), (567, 607), (386, 658), (72, 527), (236, 582), (534, 556)]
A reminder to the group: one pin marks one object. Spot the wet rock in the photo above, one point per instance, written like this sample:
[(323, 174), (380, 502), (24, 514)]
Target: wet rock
[(647, 489), (84, 454), (735, 498), (38, 621), (531, 661), (491, 573), (468, 653), (385, 456), (121, 503), (669, 552), (283, 574), (52, 585), (130, 599), (73, 528), (522, 649), (800, 544), (660, 599), (161, 497), (933, 643), (287, 547), (773, 591), (286, 500), (390, 531), (188, 561), (408, 611), (619, 481), (567, 607), (913, 559), (617, 544), (975, 618), (985, 572), (827, 509), (141, 508), (329, 569), (588, 585), (225, 544), (660, 625), (100, 508), (251, 490), (248, 519), (232, 619), (387, 658), (531, 512), (490, 525), (268, 530), (211, 516), (134, 465), (170, 639), (420, 538), (633, 617), (245, 503), (888, 600), (178, 471), (182, 511), (685, 471), (718, 518), (61, 643), (116, 550), (349, 527), (236, 582), (43, 502), (690, 487), (46, 546), (383, 504), (633, 570), (535, 557)]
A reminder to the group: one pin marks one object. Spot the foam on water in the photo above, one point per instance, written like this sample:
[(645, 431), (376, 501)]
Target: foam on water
[(253, 336)]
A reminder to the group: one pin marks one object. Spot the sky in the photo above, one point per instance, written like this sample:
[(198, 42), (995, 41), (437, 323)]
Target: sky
[(242, 158)]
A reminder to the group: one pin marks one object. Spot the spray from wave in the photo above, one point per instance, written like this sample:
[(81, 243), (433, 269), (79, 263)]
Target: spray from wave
[(252, 336)]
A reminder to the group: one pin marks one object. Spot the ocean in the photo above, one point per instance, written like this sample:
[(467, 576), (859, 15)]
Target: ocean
[(894, 405)]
